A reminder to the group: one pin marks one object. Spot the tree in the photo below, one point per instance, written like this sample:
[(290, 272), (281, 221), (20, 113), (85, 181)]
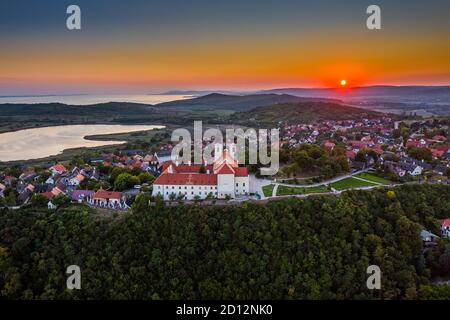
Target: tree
[(11, 199), (141, 203), (146, 177), (447, 172), (125, 181), (39, 200), (420, 153), (60, 200), (116, 172)]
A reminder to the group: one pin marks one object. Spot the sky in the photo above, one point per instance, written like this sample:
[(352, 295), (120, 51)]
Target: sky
[(149, 46)]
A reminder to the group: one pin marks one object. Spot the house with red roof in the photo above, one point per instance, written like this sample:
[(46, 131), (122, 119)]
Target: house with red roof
[(58, 169), (437, 153), (107, 199), (439, 138), (445, 227), (221, 179)]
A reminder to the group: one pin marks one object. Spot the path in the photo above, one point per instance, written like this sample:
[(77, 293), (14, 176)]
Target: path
[(264, 182)]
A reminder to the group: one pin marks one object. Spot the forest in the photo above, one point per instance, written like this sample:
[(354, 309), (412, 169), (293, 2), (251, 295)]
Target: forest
[(314, 248)]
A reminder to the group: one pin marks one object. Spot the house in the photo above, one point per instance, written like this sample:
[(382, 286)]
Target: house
[(9, 180), (222, 179), (350, 154), (51, 206), (439, 138), (358, 165), (26, 194), (58, 169), (2, 189), (329, 145), (75, 181), (107, 199), (412, 169), (97, 160), (48, 194), (437, 153), (440, 169), (445, 227)]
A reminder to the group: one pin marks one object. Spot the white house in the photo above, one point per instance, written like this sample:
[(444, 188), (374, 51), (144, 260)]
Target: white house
[(107, 199), (75, 181), (445, 227), (223, 179)]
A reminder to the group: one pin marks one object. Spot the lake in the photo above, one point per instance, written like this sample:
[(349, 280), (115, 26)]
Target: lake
[(39, 143), (93, 99)]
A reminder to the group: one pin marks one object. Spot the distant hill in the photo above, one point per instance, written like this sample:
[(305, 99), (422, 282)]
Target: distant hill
[(19, 116), (238, 103), (370, 91), (303, 112), (50, 109), (420, 100)]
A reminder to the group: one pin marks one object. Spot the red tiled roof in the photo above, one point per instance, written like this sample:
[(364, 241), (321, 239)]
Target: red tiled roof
[(225, 169), (186, 179), (241, 172), (102, 194), (445, 222), (59, 168), (48, 195), (350, 154), (439, 138), (443, 148), (437, 153)]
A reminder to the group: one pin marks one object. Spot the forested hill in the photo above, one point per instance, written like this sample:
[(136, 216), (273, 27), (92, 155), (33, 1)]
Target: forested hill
[(239, 103), (316, 248), (301, 112)]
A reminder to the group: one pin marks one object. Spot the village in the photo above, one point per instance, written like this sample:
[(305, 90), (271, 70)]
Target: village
[(379, 151), (387, 144)]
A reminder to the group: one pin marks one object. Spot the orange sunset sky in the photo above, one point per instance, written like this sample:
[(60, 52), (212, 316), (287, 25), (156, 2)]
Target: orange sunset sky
[(150, 46)]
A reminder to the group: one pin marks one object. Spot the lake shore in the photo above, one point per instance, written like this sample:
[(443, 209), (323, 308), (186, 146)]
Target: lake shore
[(21, 147)]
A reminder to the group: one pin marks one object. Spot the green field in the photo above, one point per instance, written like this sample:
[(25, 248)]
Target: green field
[(285, 191), (349, 183), (268, 190), (373, 178)]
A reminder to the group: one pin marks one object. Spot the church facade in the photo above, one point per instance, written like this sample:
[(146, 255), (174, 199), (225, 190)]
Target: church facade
[(222, 179)]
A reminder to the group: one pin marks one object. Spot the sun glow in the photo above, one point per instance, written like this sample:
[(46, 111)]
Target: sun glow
[(343, 83)]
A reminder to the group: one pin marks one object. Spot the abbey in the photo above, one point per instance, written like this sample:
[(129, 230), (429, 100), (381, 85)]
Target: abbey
[(223, 179)]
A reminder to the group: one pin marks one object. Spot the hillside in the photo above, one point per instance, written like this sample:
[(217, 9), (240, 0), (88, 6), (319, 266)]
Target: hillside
[(303, 112), (216, 101), (20, 116), (421, 100), (316, 248)]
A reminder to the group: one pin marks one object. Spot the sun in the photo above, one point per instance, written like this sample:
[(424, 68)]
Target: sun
[(343, 83)]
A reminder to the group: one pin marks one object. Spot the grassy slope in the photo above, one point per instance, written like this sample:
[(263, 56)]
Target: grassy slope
[(351, 183), (284, 191), (373, 178)]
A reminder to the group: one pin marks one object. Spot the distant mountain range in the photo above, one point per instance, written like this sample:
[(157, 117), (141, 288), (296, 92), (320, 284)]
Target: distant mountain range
[(371, 91), (379, 90)]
